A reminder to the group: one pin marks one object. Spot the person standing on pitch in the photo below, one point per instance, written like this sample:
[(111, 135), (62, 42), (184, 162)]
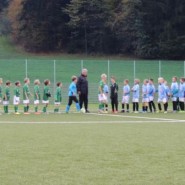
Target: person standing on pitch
[(82, 88)]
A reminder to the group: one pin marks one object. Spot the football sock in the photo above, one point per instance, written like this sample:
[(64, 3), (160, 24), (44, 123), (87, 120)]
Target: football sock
[(67, 108), (36, 109), (159, 106), (25, 108), (127, 107), (77, 107), (16, 108), (28, 108), (123, 106), (137, 106)]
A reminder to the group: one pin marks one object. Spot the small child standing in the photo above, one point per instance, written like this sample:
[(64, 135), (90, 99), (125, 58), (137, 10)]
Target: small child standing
[(135, 100), (174, 93), (26, 95), (145, 95), (16, 99), (36, 95), (162, 95), (114, 95), (126, 96), (46, 95), (6, 97), (101, 95), (58, 97), (151, 95), (73, 95)]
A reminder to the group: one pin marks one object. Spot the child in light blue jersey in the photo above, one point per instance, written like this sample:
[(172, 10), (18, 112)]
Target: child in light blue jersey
[(145, 95), (175, 93), (162, 95), (182, 93), (73, 95), (151, 93), (135, 94), (126, 96)]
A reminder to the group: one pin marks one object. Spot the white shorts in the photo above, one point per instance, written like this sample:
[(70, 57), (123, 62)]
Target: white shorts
[(36, 102), (102, 98), (45, 102), (5, 102), (151, 98), (145, 100), (125, 99), (26, 101), (181, 99), (135, 100), (174, 98), (57, 103), (164, 100), (16, 100)]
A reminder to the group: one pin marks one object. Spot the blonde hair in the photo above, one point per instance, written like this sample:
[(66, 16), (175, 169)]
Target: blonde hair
[(137, 80), (37, 81), (103, 76)]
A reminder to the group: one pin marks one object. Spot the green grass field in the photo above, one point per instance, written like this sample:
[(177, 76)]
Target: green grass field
[(77, 149), (88, 149)]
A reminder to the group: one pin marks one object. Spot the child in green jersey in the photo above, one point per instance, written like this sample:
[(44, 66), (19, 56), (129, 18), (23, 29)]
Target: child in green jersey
[(58, 97), (36, 95), (6, 96), (1, 89), (16, 99), (46, 95), (101, 95), (26, 95)]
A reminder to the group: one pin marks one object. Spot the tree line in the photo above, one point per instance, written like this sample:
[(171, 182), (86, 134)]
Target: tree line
[(142, 28)]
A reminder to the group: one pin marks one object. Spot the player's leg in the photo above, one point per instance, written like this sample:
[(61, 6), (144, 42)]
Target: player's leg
[(116, 104), (69, 104), (112, 104), (86, 103), (77, 103)]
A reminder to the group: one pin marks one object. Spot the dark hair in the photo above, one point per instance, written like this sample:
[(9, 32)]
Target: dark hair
[(151, 79), (17, 82), (58, 84), (113, 77), (8, 82), (46, 82)]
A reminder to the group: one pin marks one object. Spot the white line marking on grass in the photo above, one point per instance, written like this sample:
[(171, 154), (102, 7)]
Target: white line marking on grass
[(139, 117), (91, 122)]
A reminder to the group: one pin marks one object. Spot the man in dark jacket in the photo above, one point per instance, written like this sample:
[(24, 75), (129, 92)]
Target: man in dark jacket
[(82, 87)]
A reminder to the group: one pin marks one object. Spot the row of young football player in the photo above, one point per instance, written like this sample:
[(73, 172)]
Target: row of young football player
[(5, 95), (176, 92)]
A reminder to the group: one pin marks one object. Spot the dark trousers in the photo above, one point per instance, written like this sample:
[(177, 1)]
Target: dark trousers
[(71, 99), (114, 103), (83, 99)]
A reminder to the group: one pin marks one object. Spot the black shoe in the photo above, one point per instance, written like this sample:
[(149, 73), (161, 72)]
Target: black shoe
[(87, 111)]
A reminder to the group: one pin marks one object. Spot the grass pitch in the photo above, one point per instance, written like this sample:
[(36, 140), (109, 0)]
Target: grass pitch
[(57, 149)]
